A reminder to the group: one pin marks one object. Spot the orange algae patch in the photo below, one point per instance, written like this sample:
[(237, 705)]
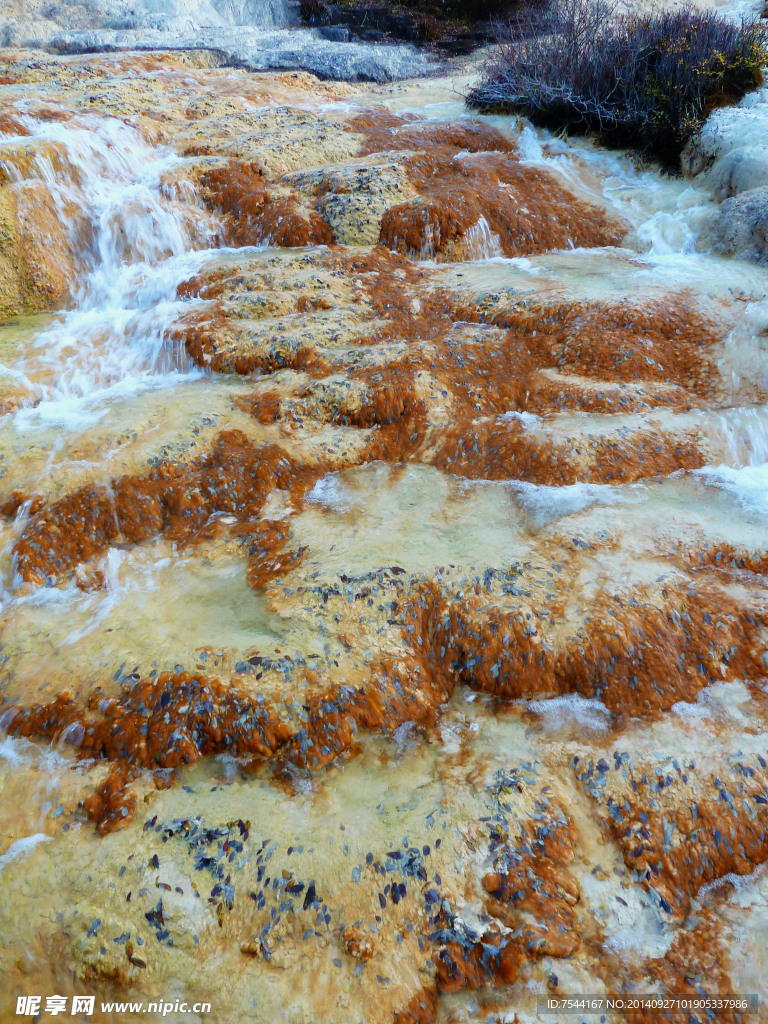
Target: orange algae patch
[(495, 960), (236, 189), (264, 406), (502, 372), (663, 351), (157, 724), (680, 827), (422, 1009), (646, 651), (254, 216), (515, 901), (482, 381), (468, 175), (479, 376), (396, 692), (519, 210), (666, 342), (285, 222), (694, 968), (640, 653), (176, 500), (727, 557), (265, 543), (551, 391), (505, 450), (531, 892), (307, 304), (384, 131), (18, 499)]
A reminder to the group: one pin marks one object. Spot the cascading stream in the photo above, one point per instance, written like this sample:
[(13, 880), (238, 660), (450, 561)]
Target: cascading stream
[(135, 232), (474, 519), (668, 219)]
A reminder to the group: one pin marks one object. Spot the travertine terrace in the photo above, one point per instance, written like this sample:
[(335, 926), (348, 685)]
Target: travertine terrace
[(384, 631)]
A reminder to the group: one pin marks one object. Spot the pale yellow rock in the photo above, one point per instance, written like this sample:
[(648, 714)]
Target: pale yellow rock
[(354, 197)]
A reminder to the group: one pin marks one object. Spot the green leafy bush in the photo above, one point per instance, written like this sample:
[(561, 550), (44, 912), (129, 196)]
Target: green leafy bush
[(644, 81)]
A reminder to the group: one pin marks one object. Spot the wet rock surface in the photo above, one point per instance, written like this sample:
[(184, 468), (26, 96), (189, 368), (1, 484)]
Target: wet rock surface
[(256, 34), (729, 155), (383, 547), (742, 224)]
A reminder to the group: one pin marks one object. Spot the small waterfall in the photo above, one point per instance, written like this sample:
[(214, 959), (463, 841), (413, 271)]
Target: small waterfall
[(109, 188), (134, 236), (191, 14), (745, 435), (481, 242), (260, 13)]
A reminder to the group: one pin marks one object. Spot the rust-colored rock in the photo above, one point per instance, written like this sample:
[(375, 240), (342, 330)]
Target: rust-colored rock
[(681, 825), (396, 692), (254, 215), (157, 723), (357, 944), (177, 500), (640, 651), (422, 1009), (471, 183)]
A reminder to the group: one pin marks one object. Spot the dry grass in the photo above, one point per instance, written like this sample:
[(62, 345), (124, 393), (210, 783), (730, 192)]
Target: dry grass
[(644, 81)]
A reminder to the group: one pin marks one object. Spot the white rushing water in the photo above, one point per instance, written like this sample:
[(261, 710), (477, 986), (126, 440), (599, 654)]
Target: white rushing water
[(137, 233), (665, 251)]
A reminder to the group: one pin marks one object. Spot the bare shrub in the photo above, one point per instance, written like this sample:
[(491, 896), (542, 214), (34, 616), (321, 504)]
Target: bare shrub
[(645, 81)]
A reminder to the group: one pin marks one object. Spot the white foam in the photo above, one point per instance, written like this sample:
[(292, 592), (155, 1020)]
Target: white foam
[(12, 750), (691, 712), (641, 940), (545, 504), (528, 419), (748, 484), (19, 752), (22, 847), (570, 710), (134, 242), (667, 217), (632, 923), (529, 146), (331, 492), (736, 887), (725, 702)]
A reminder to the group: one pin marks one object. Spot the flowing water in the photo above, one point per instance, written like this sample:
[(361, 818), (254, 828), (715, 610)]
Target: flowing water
[(104, 388)]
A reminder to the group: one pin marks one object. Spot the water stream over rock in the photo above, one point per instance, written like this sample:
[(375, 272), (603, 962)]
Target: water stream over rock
[(255, 34), (383, 550)]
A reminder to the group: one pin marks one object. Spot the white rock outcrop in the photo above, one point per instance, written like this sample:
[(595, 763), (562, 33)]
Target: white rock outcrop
[(730, 156)]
